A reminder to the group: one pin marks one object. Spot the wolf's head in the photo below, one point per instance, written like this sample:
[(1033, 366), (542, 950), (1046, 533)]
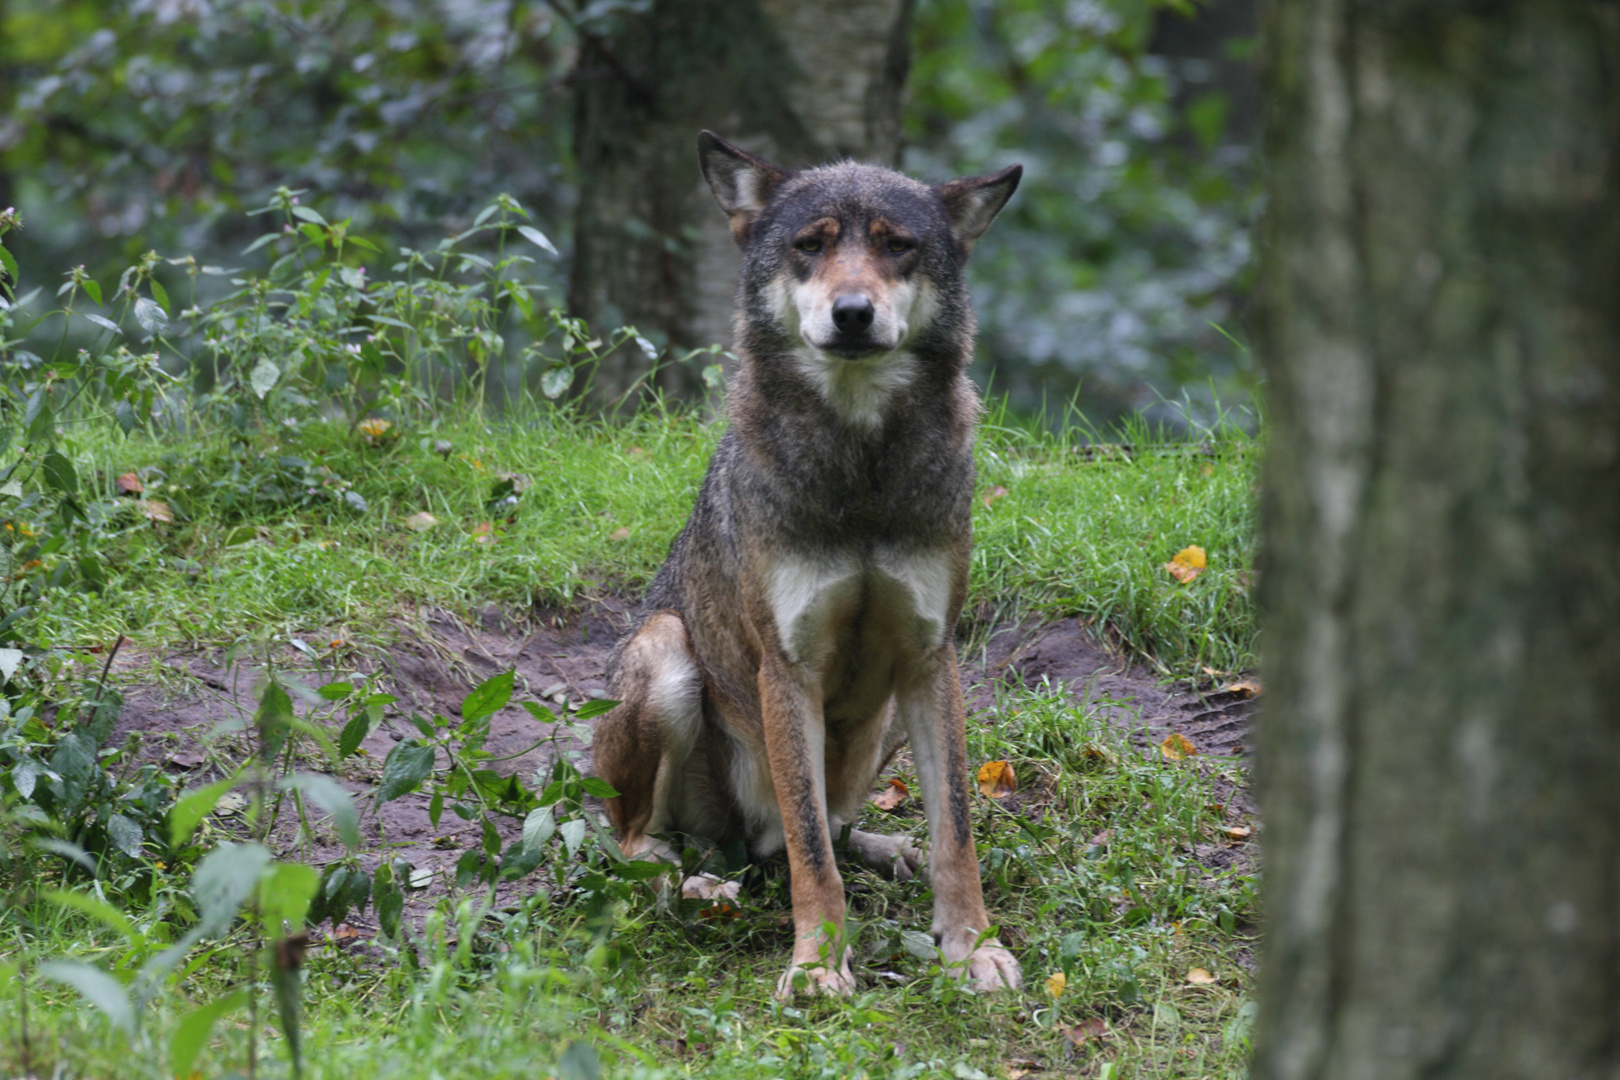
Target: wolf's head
[(853, 264)]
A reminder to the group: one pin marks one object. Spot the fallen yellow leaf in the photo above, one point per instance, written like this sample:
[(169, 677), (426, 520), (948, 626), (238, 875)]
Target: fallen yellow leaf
[(1177, 746), (421, 522), (997, 779), (621, 533), (1056, 984), (1237, 832), (891, 796), (995, 493), (1186, 564), (1249, 688), (156, 511), (484, 532), (1200, 977)]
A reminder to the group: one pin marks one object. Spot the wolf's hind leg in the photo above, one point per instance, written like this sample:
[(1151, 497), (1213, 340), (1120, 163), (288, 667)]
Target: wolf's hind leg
[(645, 745)]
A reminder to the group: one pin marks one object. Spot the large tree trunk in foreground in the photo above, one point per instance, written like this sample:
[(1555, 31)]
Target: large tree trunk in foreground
[(797, 81), (1439, 761)]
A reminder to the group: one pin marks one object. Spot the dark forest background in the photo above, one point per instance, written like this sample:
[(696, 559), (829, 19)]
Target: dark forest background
[(1116, 278)]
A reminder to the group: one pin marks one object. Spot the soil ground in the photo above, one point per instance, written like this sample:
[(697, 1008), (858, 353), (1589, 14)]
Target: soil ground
[(190, 709)]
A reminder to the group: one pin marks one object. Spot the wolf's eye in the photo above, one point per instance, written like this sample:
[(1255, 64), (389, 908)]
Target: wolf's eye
[(809, 245), (898, 245)]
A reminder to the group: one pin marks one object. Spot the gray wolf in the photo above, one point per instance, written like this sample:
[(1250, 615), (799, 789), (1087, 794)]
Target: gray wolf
[(802, 626)]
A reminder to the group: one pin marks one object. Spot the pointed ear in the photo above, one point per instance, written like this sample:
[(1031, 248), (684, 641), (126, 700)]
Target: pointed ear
[(742, 183), (973, 202)]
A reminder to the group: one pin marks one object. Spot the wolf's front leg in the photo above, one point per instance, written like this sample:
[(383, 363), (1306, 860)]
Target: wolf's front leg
[(931, 709), (795, 743)]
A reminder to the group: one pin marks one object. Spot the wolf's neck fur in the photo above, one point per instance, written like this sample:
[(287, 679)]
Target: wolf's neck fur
[(859, 391)]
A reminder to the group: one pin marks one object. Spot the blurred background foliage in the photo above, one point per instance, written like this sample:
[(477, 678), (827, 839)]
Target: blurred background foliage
[(1116, 278)]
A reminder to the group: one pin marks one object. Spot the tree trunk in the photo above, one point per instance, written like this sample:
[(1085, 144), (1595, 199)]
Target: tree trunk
[(1439, 761), (796, 81)]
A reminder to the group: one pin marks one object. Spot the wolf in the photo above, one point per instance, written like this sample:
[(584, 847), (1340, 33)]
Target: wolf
[(802, 626)]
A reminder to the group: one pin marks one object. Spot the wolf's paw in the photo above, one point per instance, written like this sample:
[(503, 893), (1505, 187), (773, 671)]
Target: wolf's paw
[(990, 967), (892, 856), (709, 887), (815, 979)]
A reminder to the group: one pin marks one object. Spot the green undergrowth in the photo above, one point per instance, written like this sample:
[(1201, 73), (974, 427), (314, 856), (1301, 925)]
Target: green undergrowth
[(321, 532), (1097, 869)]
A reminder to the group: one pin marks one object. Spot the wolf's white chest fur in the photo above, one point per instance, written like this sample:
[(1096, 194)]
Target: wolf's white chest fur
[(858, 390), (814, 601)]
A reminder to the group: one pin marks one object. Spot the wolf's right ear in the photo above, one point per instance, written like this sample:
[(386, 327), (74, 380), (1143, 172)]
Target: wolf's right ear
[(742, 183)]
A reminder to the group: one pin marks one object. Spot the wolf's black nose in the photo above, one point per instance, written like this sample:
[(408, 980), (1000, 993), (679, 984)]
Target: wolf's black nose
[(852, 314)]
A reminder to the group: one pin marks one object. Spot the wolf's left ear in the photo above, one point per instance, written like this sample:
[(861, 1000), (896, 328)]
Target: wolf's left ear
[(742, 183), (973, 202)]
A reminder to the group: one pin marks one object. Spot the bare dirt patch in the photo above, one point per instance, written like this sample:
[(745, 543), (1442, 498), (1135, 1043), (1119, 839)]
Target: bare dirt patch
[(193, 716)]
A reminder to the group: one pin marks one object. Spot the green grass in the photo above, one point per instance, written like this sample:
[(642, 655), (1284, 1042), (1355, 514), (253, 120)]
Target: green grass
[(1075, 532), (1089, 869), (1096, 868)]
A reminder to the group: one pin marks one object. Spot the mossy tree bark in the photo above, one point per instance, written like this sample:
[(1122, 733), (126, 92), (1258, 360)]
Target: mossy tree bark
[(797, 81), (1440, 752)]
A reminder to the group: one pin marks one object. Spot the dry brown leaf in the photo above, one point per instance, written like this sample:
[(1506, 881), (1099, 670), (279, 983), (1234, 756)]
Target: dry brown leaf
[(484, 532), (156, 511), (1101, 839), (130, 484), (1249, 688), (621, 533), (637, 452), (1086, 1030), (1200, 977), (994, 494), (997, 779), (1237, 832), (891, 796), (1021, 1067), (421, 522), (1187, 563), (1177, 746), (1056, 984)]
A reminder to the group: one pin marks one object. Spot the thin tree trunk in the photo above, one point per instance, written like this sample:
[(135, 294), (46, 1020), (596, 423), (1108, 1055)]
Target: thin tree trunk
[(798, 81), (1440, 753)]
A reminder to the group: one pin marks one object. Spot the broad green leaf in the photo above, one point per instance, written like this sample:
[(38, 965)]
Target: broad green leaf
[(538, 827), (556, 381), (189, 810), (538, 238), (354, 733), (153, 319), (99, 988), (159, 294), (92, 289), (10, 263), (488, 698), (304, 213), (225, 878), (595, 708), (24, 775), (264, 376), (191, 1033), (579, 1062), (335, 691), (9, 659), (390, 893), (332, 797), (58, 473), (65, 848), (595, 785), (99, 910), (125, 834), (573, 834), (285, 892), (406, 766), (540, 712)]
